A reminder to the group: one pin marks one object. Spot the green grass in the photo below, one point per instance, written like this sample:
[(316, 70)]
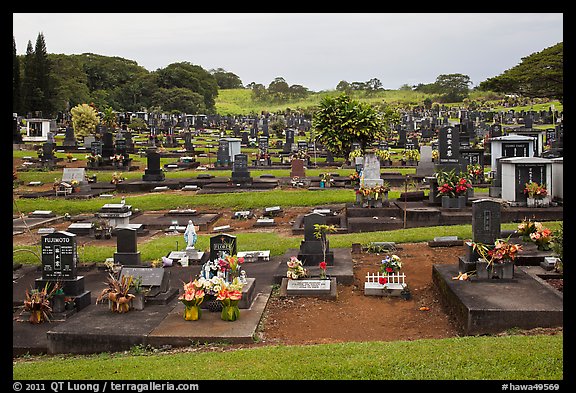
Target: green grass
[(239, 101), (277, 244), (465, 358), (162, 201)]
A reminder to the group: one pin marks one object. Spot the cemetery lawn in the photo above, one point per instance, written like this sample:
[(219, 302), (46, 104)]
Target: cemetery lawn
[(508, 357)]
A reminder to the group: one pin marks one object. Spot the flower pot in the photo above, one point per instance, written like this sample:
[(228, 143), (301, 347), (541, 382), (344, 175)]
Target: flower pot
[(449, 202), (495, 271), (537, 202), (58, 303), (192, 313), (230, 313)]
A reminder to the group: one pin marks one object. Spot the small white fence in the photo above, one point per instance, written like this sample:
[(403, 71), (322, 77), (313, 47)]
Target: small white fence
[(395, 283)]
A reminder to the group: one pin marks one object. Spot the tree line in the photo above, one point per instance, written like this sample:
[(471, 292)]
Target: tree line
[(52, 83)]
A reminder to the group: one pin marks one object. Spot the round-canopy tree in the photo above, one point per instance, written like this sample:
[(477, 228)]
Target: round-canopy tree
[(341, 121), (84, 120)]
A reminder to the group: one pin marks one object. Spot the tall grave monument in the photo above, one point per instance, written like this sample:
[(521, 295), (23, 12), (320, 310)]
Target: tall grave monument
[(59, 261)]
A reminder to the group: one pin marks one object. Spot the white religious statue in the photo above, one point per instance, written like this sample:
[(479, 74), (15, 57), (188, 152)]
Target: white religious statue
[(190, 235)]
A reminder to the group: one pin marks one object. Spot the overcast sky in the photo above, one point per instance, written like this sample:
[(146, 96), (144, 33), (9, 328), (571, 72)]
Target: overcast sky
[(314, 50)]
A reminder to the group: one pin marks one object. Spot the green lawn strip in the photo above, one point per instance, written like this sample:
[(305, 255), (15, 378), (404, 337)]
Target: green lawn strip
[(163, 201), (105, 176), (463, 358), (278, 245)]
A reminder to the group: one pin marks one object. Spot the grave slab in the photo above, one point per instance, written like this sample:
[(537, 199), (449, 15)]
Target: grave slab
[(493, 306)]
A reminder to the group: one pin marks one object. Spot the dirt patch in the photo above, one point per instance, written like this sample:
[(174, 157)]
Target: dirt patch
[(356, 317)]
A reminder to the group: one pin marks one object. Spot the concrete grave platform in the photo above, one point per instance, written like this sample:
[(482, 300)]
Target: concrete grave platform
[(155, 220), (491, 306), (96, 329)]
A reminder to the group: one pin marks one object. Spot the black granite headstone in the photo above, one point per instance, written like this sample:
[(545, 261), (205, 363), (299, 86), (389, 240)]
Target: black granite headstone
[(153, 172), (223, 154), (222, 243), (240, 172), (59, 255), (311, 247), (126, 247), (96, 147)]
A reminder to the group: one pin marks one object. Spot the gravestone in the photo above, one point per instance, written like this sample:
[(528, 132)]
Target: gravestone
[(127, 247), (223, 154), (371, 171), (263, 144), (107, 145), (153, 172), (244, 136), (155, 280), (59, 257), (222, 243), (59, 264), (297, 168), (78, 174), (95, 147), (240, 172), (449, 150), (425, 165), (311, 248), (120, 147), (188, 145), (401, 136), (69, 137), (486, 221), (48, 152), (287, 148)]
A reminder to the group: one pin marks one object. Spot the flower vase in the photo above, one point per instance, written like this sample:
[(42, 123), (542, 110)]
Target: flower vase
[(449, 202), (192, 313), (462, 201), (58, 303), (504, 270), (531, 202), (230, 313), (322, 184), (138, 301)]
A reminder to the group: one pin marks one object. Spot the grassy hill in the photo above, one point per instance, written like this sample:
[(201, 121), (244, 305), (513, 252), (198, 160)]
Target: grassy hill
[(240, 102)]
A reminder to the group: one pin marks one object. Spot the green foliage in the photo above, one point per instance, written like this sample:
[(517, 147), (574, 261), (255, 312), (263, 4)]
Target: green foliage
[(341, 121), (84, 119), (515, 357), (226, 80), (539, 75)]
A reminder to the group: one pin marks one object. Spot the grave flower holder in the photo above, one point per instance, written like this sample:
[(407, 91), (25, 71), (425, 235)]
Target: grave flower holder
[(537, 202), (192, 313), (499, 270), (230, 313), (457, 202)]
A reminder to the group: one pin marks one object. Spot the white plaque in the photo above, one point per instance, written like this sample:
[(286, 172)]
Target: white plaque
[(305, 285)]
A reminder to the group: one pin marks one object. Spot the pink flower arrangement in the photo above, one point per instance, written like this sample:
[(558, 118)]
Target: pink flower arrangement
[(193, 294)]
